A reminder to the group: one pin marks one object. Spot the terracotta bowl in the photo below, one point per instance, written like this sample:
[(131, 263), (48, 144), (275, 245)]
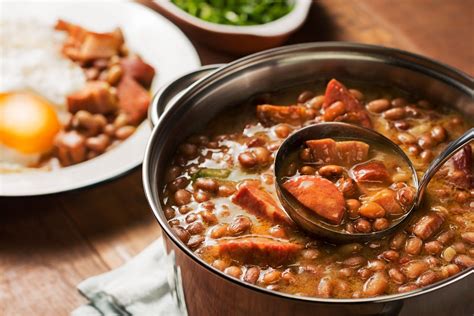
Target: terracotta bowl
[(237, 40)]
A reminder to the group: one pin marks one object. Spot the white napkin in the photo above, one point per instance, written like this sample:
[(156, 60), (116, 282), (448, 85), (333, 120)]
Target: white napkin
[(149, 284)]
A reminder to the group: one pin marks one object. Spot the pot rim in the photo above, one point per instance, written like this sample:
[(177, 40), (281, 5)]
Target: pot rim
[(443, 72)]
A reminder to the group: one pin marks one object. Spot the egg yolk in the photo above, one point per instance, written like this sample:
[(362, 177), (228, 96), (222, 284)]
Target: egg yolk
[(28, 123)]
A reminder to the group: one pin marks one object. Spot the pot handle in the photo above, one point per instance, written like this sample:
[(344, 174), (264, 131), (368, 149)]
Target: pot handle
[(168, 94)]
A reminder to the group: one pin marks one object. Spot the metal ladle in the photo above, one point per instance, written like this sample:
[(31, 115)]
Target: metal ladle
[(310, 222)]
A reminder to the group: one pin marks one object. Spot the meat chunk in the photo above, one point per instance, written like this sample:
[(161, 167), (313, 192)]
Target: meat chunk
[(133, 99), (373, 171), (458, 170), (70, 147), (352, 151), (346, 153), (323, 150), (429, 224), (136, 68), (95, 97), (258, 202), (319, 195), (388, 200), (356, 113), (259, 250), (84, 45), (294, 114)]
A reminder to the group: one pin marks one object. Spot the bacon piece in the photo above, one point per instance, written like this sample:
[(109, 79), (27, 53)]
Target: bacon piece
[(259, 250), (371, 171), (327, 150), (95, 97), (84, 45), (294, 114), (458, 169), (388, 200), (258, 202), (136, 68), (133, 99), (336, 91), (352, 151), (426, 226), (319, 195)]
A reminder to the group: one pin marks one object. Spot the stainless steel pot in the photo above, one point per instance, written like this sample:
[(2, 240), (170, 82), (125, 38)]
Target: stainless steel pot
[(176, 114)]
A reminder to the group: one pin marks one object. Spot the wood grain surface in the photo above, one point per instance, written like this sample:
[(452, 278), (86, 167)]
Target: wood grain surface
[(49, 244)]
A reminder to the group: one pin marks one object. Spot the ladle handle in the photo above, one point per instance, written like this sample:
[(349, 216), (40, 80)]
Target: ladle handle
[(439, 161)]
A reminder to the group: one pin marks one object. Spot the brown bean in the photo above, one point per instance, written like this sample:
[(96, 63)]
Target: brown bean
[(330, 171), (406, 138), (282, 130), (402, 125), (208, 217), (380, 224), (207, 184), (347, 186), (438, 133), (188, 150), (98, 143), (464, 261), (399, 102), (271, 277), (182, 197), (316, 102), (346, 272), (398, 240), (220, 264), (310, 254), (406, 196), (307, 170), (413, 245), (433, 247), (178, 183), (201, 196), (412, 111), (225, 190), (278, 231), (247, 159), (390, 255), (414, 268), (394, 114), (181, 233), (172, 173), (428, 277), (376, 265), (378, 106), (362, 225), (425, 142), (446, 237), (414, 150), (371, 210), (124, 132), (468, 237), (365, 273), (288, 277), (325, 287), (239, 225), (450, 269), (191, 218), (252, 274), (305, 155), (334, 110), (233, 271), (377, 284), (195, 228), (396, 276), (355, 261), (357, 94), (114, 74), (348, 249), (305, 96), (219, 231), (426, 156), (262, 155), (195, 241), (407, 288), (459, 246), (424, 104), (184, 209), (352, 206)]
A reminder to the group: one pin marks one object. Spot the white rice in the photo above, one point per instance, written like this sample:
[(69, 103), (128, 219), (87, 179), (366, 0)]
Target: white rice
[(31, 59)]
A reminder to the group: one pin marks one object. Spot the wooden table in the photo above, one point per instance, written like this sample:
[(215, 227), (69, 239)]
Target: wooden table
[(49, 244)]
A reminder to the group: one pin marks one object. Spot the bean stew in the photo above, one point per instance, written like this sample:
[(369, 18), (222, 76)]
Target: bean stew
[(220, 197)]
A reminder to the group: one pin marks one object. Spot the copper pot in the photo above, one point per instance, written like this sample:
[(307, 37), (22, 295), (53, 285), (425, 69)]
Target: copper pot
[(177, 113)]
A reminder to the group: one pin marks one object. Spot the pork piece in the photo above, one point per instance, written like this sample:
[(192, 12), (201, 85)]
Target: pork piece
[(373, 171), (260, 203), (429, 224), (95, 97), (259, 250), (351, 152), (388, 200), (347, 153), (294, 114), (70, 147), (458, 170), (319, 195), (355, 112), (133, 99), (136, 68), (84, 45)]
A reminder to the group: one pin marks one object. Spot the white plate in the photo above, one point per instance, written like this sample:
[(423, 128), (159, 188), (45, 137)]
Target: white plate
[(157, 40)]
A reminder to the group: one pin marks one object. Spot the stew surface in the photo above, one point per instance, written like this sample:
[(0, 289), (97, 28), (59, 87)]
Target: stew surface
[(220, 196)]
